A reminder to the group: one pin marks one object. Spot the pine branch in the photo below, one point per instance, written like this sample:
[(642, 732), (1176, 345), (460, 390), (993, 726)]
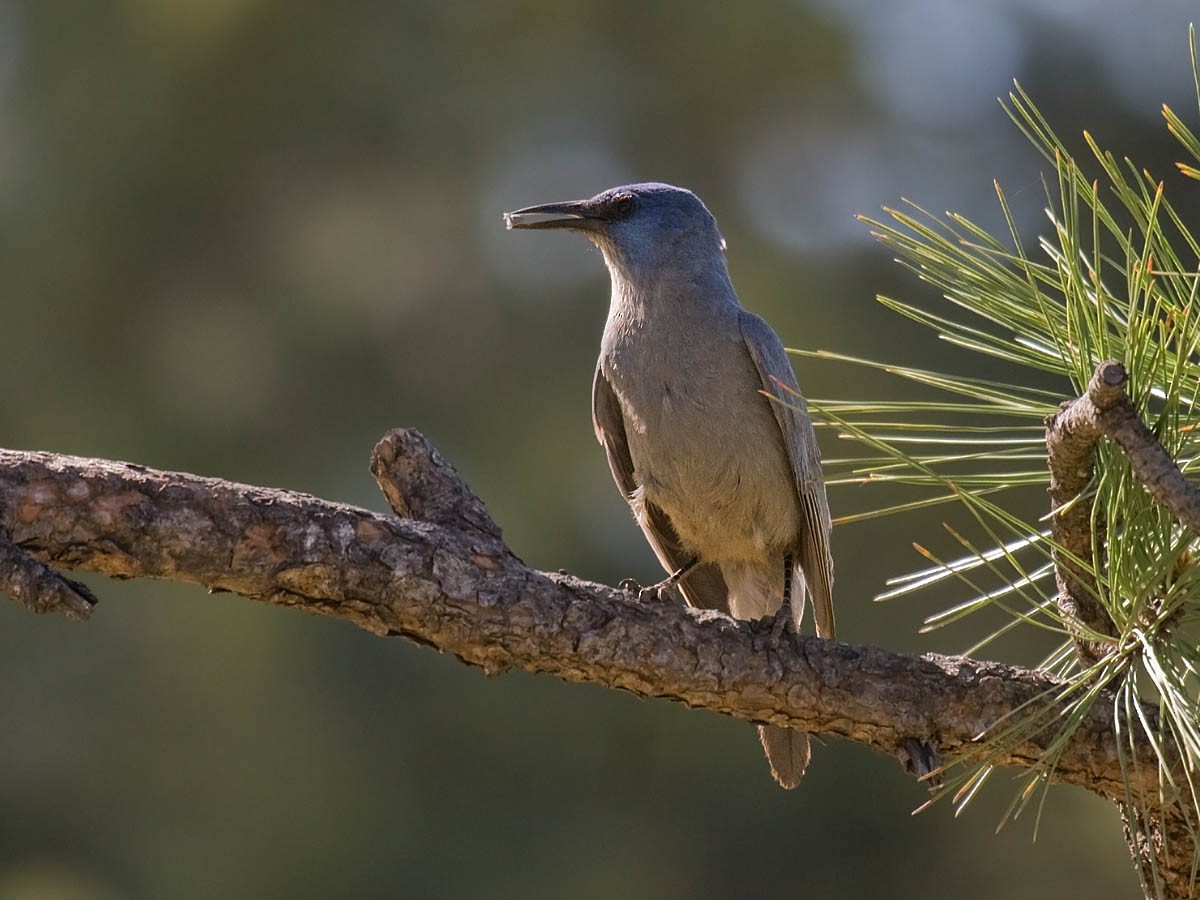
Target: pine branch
[(448, 581), (1157, 837), (1071, 436), (38, 587)]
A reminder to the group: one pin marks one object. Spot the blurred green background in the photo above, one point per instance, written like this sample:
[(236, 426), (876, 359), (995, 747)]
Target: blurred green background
[(244, 237)]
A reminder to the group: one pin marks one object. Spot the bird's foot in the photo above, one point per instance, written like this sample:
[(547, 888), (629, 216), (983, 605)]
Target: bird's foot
[(781, 624), (660, 592)]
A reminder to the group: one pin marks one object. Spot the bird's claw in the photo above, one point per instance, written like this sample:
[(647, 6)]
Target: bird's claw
[(781, 623), (652, 594)]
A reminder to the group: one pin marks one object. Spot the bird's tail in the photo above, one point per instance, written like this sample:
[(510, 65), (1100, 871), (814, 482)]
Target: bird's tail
[(788, 753), (754, 592)]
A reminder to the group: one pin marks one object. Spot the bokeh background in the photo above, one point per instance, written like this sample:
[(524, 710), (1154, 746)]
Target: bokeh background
[(244, 237)]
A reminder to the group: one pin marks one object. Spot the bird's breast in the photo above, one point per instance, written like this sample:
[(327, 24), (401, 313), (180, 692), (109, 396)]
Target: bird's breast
[(705, 446)]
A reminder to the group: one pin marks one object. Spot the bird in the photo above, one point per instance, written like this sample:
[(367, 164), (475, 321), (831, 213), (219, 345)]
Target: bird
[(700, 416)]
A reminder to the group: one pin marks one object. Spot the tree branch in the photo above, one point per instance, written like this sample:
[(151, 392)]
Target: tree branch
[(38, 587), (1071, 436), (1104, 410), (1156, 839), (450, 582)]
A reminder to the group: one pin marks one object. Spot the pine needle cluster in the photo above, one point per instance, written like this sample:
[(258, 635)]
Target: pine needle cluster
[(1115, 276)]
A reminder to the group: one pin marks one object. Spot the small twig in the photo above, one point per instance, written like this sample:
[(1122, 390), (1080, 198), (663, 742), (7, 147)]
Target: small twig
[(38, 587), (419, 483), (1152, 465)]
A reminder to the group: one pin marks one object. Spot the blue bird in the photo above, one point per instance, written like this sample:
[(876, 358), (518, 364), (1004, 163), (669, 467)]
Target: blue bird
[(724, 482)]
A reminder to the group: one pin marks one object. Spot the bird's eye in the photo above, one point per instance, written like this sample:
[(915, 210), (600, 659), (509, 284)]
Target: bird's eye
[(625, 206)]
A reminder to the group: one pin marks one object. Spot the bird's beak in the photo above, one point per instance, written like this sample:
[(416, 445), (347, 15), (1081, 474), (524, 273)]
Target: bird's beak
[(576, 214)]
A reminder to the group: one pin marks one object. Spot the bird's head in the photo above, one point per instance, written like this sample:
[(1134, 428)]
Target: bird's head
[(643, 230)]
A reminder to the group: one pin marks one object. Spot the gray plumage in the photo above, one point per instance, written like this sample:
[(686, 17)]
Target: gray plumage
[(716, 474)]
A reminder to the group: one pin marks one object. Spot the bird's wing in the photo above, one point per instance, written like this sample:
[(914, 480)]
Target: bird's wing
[(704, 585), (779, 383)]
